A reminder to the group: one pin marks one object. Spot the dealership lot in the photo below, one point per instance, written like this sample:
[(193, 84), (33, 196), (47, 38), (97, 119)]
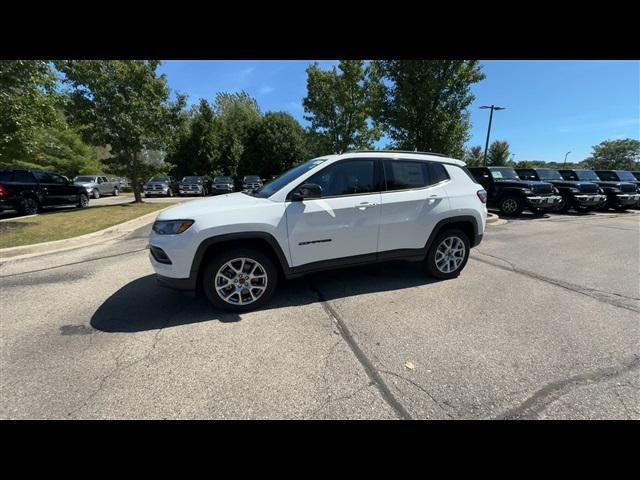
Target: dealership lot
[(543, 323)]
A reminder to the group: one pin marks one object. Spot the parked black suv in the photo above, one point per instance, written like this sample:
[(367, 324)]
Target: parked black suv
[(222, 185), (28, 191), (581, 196), (506, 191), (621, 176), (620, 195)]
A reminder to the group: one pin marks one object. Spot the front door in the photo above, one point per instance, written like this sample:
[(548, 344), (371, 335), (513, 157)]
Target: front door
[(344, 222)]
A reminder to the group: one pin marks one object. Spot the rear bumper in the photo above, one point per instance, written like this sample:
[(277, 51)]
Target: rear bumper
[(477, 239)]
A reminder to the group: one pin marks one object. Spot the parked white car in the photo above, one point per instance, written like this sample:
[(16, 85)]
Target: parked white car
[(334, 211), (97, 186)]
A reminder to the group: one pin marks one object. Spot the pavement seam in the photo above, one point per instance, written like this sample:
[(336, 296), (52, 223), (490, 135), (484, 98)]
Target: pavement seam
[(598, 295), (545, 396), (371, 371)]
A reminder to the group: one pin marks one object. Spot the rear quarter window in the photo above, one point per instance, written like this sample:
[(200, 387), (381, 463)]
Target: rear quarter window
[(437, 173)]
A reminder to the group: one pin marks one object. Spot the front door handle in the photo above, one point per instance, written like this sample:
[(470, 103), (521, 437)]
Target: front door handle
[(365, 205)]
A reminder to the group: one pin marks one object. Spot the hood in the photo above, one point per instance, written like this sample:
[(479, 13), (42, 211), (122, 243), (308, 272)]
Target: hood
[(85, 184), (157, 183), (520, 183), (580, 184), (212, 205)]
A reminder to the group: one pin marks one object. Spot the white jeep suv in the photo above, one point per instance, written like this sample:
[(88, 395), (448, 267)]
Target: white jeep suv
[(333, 211)]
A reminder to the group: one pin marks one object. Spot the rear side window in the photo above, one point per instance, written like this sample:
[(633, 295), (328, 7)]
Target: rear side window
[(22, 176), (402, 175), (5, 176), (43, 177), (437, 173)]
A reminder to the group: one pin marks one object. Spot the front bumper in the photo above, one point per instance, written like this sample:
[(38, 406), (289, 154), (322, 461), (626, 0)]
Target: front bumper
[(188, 191), (222, 190), (163, 192), (544, 201), (589, 200), (627, 199)]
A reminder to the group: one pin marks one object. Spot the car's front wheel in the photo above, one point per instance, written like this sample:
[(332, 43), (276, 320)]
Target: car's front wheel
[(28, 206), (240, 279), (448, 254), (83, 200), (95, 194), (511, 206)]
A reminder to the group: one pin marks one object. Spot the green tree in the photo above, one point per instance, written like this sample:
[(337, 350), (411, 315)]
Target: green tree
[(498, 154), (422, 104), (474, 156), (126, 105), (339, 105), (237, 114), (274, 145), (623, 154), (27, 104)]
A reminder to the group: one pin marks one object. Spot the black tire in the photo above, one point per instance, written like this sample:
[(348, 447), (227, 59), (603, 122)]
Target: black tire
[(218, 261), (511, 206), (169, 193), (95, 194), (583, 209), (29, 206), (83, 200), (430, 261), (564, 205), (116, 192)]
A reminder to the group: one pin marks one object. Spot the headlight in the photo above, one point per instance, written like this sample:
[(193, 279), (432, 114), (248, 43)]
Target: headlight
[(171, 227), (556, 191), (600, 191)]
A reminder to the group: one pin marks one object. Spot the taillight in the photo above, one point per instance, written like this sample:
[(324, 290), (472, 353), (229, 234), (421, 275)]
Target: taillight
[(482, 195), (3, 192)]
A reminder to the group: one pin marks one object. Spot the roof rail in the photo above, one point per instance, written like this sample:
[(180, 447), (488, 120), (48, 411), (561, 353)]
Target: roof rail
[(397, 151)]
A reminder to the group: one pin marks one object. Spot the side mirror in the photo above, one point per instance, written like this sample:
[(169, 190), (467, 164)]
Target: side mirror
[(308, 190)]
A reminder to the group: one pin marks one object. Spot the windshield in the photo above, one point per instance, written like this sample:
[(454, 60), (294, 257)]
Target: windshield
[(636, 174), (502, 173), (85, 179), (222, 180), (191, 180), (286, 178), (548, 174), (587, 175), (252, 178), (625, 176)]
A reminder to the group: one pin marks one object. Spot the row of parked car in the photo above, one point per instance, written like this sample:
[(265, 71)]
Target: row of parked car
[(541, 190), (167, 186)]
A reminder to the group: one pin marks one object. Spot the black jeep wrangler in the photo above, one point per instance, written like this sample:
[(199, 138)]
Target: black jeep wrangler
[(506, 191), (620, 195), (621, 176), (579, 195)]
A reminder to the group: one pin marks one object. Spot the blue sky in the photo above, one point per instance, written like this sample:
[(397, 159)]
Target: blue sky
[(552, 106)]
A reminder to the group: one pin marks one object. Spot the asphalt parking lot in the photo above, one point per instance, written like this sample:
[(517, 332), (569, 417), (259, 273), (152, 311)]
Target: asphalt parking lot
[(544, 322)]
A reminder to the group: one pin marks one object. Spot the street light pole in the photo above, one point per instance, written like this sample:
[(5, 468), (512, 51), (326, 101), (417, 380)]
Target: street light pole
[(486, 145), (565, 158)]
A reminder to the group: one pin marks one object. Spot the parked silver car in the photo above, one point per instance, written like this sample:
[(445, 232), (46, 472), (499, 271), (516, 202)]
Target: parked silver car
[(97, 186)]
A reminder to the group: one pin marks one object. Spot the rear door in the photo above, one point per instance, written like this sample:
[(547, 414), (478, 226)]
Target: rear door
[(344, 222), (415, 200), (50, 191)]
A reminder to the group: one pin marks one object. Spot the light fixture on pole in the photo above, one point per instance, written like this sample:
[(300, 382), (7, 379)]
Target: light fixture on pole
[(486, 145), (565, 158)]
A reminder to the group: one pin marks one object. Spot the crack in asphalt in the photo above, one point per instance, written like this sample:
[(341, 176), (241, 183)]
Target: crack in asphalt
[(600, 295), (371, 371), (421, 388), (545, 396)]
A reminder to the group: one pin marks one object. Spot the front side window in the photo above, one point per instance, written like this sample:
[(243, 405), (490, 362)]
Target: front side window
[(43, 177), (286, 178), (60, 180), (401, 175), (346, 178), (608, 176)]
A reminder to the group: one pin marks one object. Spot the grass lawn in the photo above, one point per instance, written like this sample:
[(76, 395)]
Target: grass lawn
[(57, 225)]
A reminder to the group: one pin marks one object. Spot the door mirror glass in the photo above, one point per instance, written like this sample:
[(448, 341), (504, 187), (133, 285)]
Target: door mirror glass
[(306, 191)]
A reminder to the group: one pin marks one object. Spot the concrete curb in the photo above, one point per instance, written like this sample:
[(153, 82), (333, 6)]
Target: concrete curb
[(109, 233), (493, 219)]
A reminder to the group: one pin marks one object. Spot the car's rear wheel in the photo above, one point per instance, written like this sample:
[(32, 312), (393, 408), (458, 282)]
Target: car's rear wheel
[(29, 206), (511, 206), (116, 192), (83, 200), (448, 254), (240, 279)]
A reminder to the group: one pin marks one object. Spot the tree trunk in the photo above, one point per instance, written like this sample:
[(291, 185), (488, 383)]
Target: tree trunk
[(137, 194)]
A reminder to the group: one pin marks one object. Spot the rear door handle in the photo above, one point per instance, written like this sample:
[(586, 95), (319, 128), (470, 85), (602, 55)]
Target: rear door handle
[(365, 205)]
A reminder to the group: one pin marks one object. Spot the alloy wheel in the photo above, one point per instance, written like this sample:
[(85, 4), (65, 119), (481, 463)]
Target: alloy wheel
[(241, 281), (450, 254)]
